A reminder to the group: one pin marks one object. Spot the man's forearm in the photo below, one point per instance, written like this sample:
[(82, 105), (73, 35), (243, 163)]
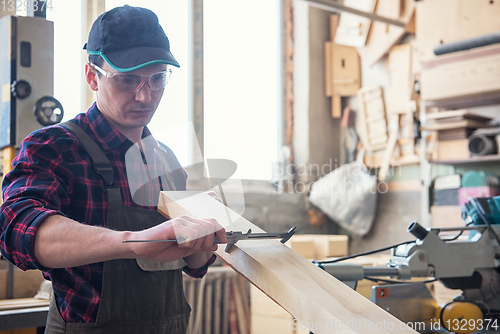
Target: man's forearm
[(61, 242)]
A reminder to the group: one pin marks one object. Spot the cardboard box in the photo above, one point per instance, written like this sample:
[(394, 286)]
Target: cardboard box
[(453, 149), (446, 216), (319, 246)]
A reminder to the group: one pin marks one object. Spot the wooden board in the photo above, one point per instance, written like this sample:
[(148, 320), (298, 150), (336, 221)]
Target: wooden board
[(336, 106), (469, 19), (400, 77), (14, 304), (467, 123), (391, 145), (471, 74), (334, 23), (310, 294), (353, 29), (383, 36), (329, 69), (457, 113)]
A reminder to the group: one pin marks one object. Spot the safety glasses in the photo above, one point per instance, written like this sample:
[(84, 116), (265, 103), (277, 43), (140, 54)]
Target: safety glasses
[(128, 82)]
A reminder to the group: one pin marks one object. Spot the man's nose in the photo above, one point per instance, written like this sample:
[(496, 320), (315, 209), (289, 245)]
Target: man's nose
[(143, 94)]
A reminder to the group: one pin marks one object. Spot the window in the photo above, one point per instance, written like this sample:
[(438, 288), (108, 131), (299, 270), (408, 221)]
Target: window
[(243, 84), (68, 50), (242, 77)]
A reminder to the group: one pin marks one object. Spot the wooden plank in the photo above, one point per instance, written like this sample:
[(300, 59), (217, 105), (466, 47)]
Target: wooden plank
[(217, 304), (18, 303), (336, 106), (207, 311), (304, 290), (240, 309), (465, 74), (225, 305), (389, 150), (400, 77), (382, 35), (410, 185), (468, 18), (466, 123), (245, 297), (334, 23), (353, 29), (457, 113), (199, 306), (328, 69), (190, 291)]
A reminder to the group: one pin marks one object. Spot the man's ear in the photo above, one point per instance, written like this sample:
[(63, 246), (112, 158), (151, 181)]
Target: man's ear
[(91, 77)]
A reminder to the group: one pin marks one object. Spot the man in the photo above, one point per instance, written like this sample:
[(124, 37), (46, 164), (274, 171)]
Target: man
[(68, 203)]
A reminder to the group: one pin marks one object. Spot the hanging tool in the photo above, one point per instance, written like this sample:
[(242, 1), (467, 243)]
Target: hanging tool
[(233, 237)]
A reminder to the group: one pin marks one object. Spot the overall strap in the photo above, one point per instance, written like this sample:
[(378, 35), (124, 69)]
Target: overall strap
[(100, 162)]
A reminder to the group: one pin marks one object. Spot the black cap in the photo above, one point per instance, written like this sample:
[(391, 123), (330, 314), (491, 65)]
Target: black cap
[(129, 38)]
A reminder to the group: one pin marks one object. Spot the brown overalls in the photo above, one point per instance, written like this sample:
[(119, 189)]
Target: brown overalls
[(137, 296)]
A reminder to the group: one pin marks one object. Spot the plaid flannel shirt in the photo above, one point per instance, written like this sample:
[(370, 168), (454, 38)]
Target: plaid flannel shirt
[(53, 175)]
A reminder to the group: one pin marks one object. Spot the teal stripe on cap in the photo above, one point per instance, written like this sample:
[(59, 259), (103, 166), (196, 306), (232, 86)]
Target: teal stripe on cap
[(119, 69)]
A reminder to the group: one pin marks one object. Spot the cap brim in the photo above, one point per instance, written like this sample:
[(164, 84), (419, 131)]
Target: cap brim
[(136, 58)]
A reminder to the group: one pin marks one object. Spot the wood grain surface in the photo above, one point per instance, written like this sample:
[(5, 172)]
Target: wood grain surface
[(311, 295)]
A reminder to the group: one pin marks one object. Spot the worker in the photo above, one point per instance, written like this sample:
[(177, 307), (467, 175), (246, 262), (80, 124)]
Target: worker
[(68, 203)]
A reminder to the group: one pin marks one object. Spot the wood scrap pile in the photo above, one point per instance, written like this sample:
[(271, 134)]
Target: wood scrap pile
[(386, 129), (388, 109)]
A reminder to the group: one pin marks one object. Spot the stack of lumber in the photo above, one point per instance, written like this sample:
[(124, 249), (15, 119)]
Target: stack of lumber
[(453, 128), (219, 301)]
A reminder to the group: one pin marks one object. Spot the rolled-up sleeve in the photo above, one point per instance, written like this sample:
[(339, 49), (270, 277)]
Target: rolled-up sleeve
[(32, 191)]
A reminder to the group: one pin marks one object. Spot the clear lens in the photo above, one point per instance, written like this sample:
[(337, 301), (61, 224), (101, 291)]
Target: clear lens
[(133, 82)]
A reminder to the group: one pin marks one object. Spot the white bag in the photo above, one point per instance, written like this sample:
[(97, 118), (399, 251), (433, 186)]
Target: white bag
[(348, 195)]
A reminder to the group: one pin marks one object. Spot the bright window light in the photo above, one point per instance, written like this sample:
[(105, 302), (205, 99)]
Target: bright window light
[(68, 49), (243, 83)]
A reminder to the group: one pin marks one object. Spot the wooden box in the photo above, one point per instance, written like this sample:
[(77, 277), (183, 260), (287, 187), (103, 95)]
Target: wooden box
[(453, 149)]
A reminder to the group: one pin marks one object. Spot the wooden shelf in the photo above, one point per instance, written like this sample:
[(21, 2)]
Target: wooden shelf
[(472, 160)]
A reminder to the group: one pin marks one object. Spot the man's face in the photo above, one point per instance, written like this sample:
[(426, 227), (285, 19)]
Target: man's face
[(128, 110)]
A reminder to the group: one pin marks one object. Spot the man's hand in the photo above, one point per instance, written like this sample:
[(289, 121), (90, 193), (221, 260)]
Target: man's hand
[(193, 235)]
